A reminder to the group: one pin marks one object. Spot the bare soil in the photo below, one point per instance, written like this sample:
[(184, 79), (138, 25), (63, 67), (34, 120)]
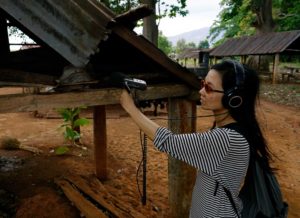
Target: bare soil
[(27, 187)]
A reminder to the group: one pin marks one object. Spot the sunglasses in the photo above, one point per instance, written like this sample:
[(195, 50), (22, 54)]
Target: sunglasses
[(207, 88)]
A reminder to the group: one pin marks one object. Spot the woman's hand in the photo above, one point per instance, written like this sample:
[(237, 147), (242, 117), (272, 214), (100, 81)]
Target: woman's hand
[(144, 123), (126, 100)]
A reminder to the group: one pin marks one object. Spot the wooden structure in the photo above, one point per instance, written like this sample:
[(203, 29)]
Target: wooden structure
[(275, 43), (79, 45), (200, 58)]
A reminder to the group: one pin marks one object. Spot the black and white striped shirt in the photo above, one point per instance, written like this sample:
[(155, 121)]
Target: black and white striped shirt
[(220, 155)]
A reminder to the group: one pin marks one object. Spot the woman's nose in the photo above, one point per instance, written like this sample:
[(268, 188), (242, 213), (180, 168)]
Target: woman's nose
[(201, 91)]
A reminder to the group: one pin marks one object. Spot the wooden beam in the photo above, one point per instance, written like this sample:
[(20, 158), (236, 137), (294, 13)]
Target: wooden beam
[(134, 14), (20, 102), (156, 55), (181, 175), (100, 142), (10, 76)]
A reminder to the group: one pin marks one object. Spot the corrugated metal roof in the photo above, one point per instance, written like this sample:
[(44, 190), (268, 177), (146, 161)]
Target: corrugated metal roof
[(270, 43), (72, 28)]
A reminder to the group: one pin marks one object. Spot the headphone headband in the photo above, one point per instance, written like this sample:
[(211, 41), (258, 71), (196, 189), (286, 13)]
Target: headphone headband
[(232, 97), (239, 72)]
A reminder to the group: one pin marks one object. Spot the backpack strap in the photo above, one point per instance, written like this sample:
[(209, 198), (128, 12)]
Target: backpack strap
[(236, 127), (228, 193)]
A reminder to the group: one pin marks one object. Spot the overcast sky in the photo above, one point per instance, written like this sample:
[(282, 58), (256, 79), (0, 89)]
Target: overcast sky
[(202, 13)]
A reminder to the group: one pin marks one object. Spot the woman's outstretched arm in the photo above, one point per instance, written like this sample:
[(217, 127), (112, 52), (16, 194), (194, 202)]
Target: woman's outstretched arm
[(146, 125)]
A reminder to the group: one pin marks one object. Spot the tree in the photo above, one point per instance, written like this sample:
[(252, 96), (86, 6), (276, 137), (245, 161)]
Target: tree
[(264, 22), (249, 17), (203, 44), (180, 46), (164, 44), (150, 26), (287, 15)]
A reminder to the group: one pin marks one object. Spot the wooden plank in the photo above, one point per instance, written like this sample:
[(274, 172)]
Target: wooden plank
[(19, 102), (156, 55), (86, 207), (96, 190), (181, 175), (100, 142), (129, 211), (134, 14)]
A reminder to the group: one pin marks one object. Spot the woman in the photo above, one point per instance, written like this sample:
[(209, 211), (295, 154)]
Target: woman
[(221, 154)]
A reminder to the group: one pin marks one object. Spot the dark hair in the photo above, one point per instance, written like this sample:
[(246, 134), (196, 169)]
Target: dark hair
[(245, 114)]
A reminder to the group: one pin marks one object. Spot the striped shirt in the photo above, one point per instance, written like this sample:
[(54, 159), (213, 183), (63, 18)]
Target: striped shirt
[(221, 156)]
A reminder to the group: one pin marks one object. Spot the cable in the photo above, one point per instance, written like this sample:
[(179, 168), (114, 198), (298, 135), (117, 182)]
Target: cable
[(143, 143), (144, 198), (193, 117)]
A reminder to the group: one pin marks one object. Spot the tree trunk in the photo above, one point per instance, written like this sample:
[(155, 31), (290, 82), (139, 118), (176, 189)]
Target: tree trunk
[(150, 28), (264, 21)]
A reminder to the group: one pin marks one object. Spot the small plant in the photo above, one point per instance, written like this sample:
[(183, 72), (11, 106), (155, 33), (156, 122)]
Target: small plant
[(71, 126)]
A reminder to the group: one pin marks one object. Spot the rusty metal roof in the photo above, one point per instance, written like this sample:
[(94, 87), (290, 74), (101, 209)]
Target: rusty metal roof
[(83, 32), (270, 43), (72, 28)]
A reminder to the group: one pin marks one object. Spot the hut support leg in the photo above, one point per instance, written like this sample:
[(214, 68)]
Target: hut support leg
[(276, 68), (181, 175), (100, 142)]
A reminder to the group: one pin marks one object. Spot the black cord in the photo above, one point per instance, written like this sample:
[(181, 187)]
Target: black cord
[(193, 117), (144, 198), (143, 143)]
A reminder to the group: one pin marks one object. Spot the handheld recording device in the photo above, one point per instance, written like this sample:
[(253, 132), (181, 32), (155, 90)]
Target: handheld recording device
[(121, 80)]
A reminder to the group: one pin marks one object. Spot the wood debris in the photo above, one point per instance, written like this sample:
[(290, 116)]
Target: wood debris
[(92, 199)]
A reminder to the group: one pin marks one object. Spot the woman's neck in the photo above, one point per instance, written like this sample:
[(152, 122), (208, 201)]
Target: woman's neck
[(223, 118)]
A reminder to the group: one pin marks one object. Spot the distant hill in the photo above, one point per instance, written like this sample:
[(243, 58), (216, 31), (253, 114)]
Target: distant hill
[(192, 36)]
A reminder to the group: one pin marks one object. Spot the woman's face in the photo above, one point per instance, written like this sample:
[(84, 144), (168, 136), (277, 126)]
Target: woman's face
[(211, 100)]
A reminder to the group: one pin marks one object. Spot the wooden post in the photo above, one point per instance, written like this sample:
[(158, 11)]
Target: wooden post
[(100, 152), (215, 59), (181, 176), (275, 68), (150, 28)]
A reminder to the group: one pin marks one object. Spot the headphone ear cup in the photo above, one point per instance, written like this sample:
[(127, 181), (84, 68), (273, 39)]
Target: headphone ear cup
[(225, 100), (232, 98)]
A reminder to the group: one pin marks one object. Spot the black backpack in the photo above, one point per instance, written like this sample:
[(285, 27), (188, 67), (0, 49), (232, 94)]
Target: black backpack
[(260, 194)]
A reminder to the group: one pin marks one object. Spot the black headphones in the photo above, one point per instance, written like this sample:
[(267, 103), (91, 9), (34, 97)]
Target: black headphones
[(232, 97)]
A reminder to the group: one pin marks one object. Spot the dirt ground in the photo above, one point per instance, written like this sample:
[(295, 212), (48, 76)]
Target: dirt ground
[(27, 179)]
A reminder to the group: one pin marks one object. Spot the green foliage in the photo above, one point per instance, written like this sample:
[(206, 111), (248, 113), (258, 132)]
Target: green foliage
[(61, 150), (203, 44), (163, 9), (238, 17), (182, 45), (164, 44), (71, 122), (120, 6), (286, 14)]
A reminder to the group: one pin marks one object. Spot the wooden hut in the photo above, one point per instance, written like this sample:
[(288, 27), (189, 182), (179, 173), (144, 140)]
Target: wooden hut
[(274, 44)]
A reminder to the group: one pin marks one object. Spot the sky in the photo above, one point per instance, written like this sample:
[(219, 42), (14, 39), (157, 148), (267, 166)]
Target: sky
[(202, 13)]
